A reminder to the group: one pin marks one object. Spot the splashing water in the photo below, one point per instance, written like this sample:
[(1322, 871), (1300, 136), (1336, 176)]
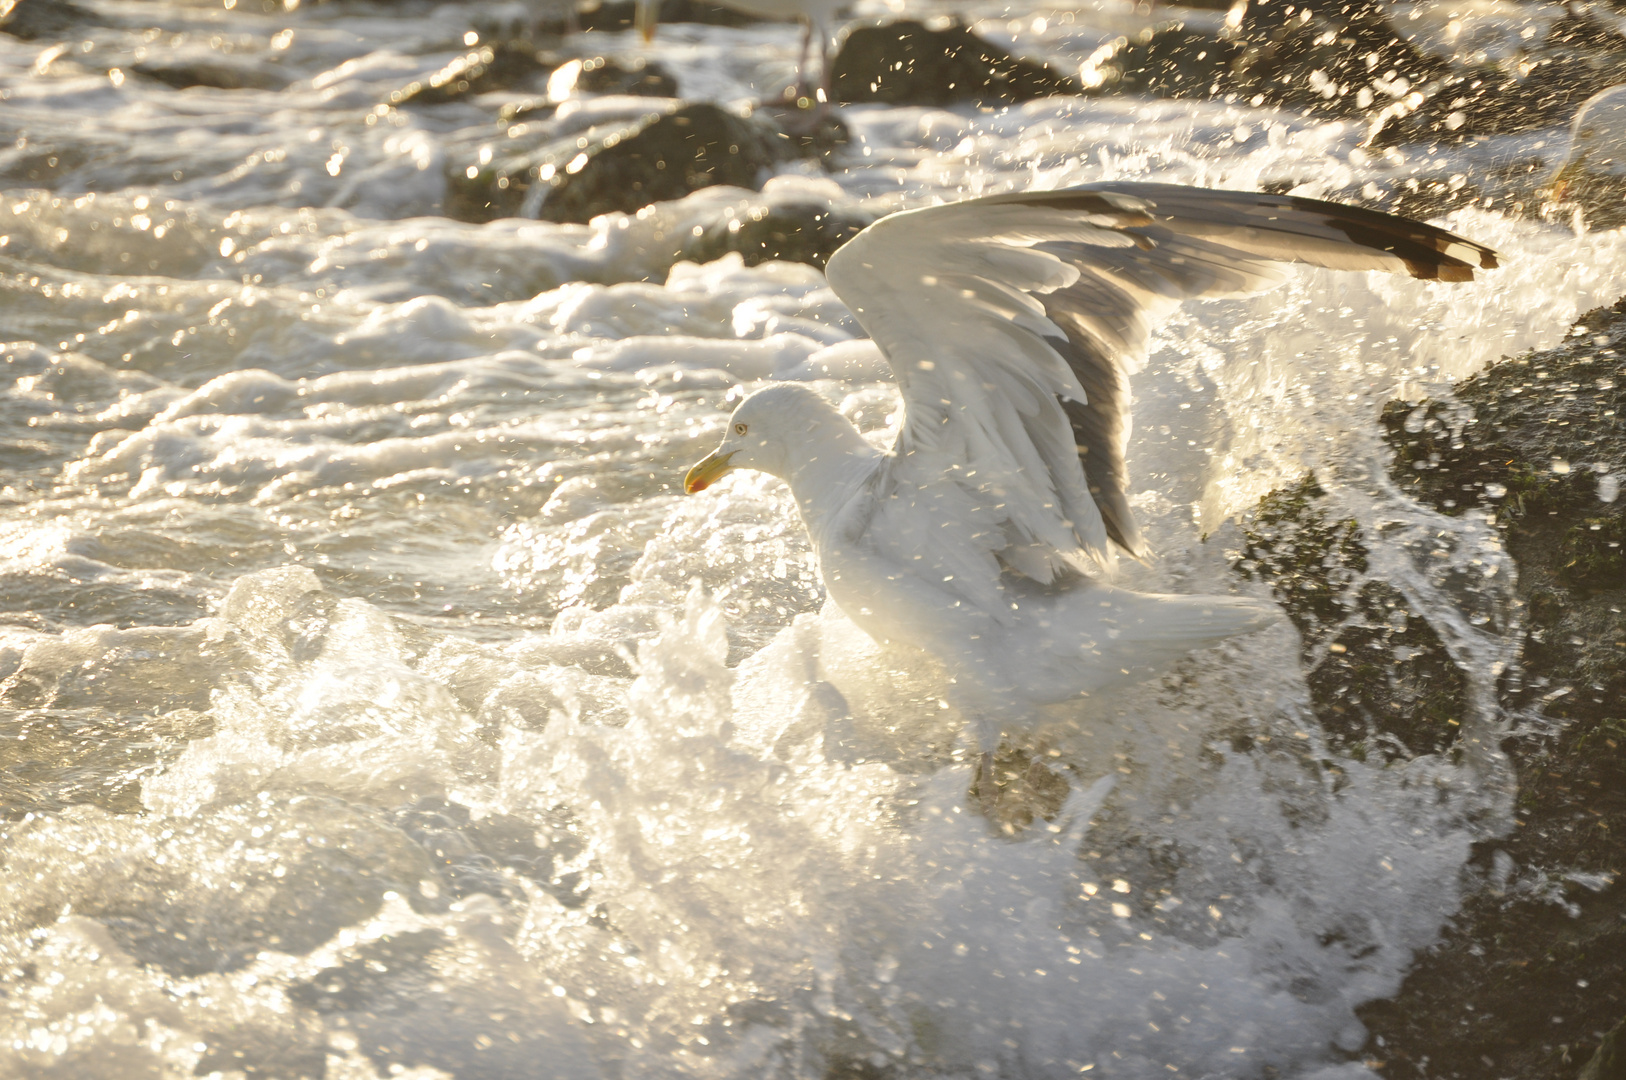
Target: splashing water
[(373, 705)]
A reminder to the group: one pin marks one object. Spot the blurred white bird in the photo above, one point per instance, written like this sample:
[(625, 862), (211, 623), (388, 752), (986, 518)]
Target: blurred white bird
[(815, 16), (1011, 324), (1593, 177)]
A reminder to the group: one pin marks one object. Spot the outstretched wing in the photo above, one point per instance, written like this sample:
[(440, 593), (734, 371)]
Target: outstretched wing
[(1012, 324)]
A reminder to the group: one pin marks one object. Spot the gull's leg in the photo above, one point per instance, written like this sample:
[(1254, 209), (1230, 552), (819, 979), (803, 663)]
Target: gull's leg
[(824, 94), (804, 87)]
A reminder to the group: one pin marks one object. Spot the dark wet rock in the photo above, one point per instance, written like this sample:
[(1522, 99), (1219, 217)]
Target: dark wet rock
[(1532, 973), (1021, 790), (502, 66), (907, 63), (182, 75), (640, 78), (1488, 101), (661, 155), (1424, 197), (1580, 56), (1311, 562), (1338, 61), (1538, 438), (34, 19), (1164, 61), (594, 75), (1387, 678), (807, 130), (1380, 679), (793, 232)]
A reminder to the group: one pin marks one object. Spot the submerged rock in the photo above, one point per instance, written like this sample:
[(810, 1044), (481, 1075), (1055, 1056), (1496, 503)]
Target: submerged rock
[(1533, 970), (594, 75), (1163, 61), (661, 155), (1580, 56), (1344, 62), (907, 63), (33, 19), (791, 232), (602, 75), (501, 66), (218, 75), (1380, 679), (1019, 790)]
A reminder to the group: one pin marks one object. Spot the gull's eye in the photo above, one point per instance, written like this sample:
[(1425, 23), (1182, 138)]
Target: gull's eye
[(739, 429)]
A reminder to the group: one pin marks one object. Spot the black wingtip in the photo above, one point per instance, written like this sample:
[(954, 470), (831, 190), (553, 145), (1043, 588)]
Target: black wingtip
[(1428, 252)]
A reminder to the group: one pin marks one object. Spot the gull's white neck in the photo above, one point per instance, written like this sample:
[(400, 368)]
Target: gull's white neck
[(827, 465)]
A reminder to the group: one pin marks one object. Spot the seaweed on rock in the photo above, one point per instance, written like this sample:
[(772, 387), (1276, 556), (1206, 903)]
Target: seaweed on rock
[(1532, 975), (1380, 679)]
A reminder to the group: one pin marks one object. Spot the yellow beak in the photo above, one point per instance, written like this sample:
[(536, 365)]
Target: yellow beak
[(707, 472), (645, 17)]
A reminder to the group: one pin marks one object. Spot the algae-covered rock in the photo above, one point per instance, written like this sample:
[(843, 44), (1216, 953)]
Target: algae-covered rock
[(1347, 60), (500, 66), (1380, 679), (1343, 60), (1170, 60), (790, 232), (640, 78), (1019, 790), (908, 63), (1532, 974), (1311, 562), (1580, 55), (664, 154)]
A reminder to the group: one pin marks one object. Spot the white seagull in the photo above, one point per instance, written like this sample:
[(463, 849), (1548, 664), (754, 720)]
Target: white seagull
[(1011, 324), (1593, 176)]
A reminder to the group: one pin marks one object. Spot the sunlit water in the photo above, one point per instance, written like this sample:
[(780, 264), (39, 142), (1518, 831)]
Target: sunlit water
[(375, 704)]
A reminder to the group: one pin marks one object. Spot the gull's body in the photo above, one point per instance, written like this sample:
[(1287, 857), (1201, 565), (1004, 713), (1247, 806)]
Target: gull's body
[(1012, 324)]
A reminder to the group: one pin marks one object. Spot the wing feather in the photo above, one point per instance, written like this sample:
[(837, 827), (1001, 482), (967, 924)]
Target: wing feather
[(1013, 324)]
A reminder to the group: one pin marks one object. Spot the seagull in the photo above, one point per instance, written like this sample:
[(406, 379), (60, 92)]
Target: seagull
[(814, 15), (984, 536), (1593, 177)]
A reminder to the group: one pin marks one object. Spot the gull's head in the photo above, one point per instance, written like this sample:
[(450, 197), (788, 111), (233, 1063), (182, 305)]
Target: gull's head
[(766, 430), (1594, 174)]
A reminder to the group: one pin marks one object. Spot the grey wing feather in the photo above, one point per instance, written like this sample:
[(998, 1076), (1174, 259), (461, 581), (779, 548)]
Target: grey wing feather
[(1201, 243), (1013, 324)]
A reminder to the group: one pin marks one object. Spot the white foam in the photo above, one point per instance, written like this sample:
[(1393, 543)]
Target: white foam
[(382, 512)]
